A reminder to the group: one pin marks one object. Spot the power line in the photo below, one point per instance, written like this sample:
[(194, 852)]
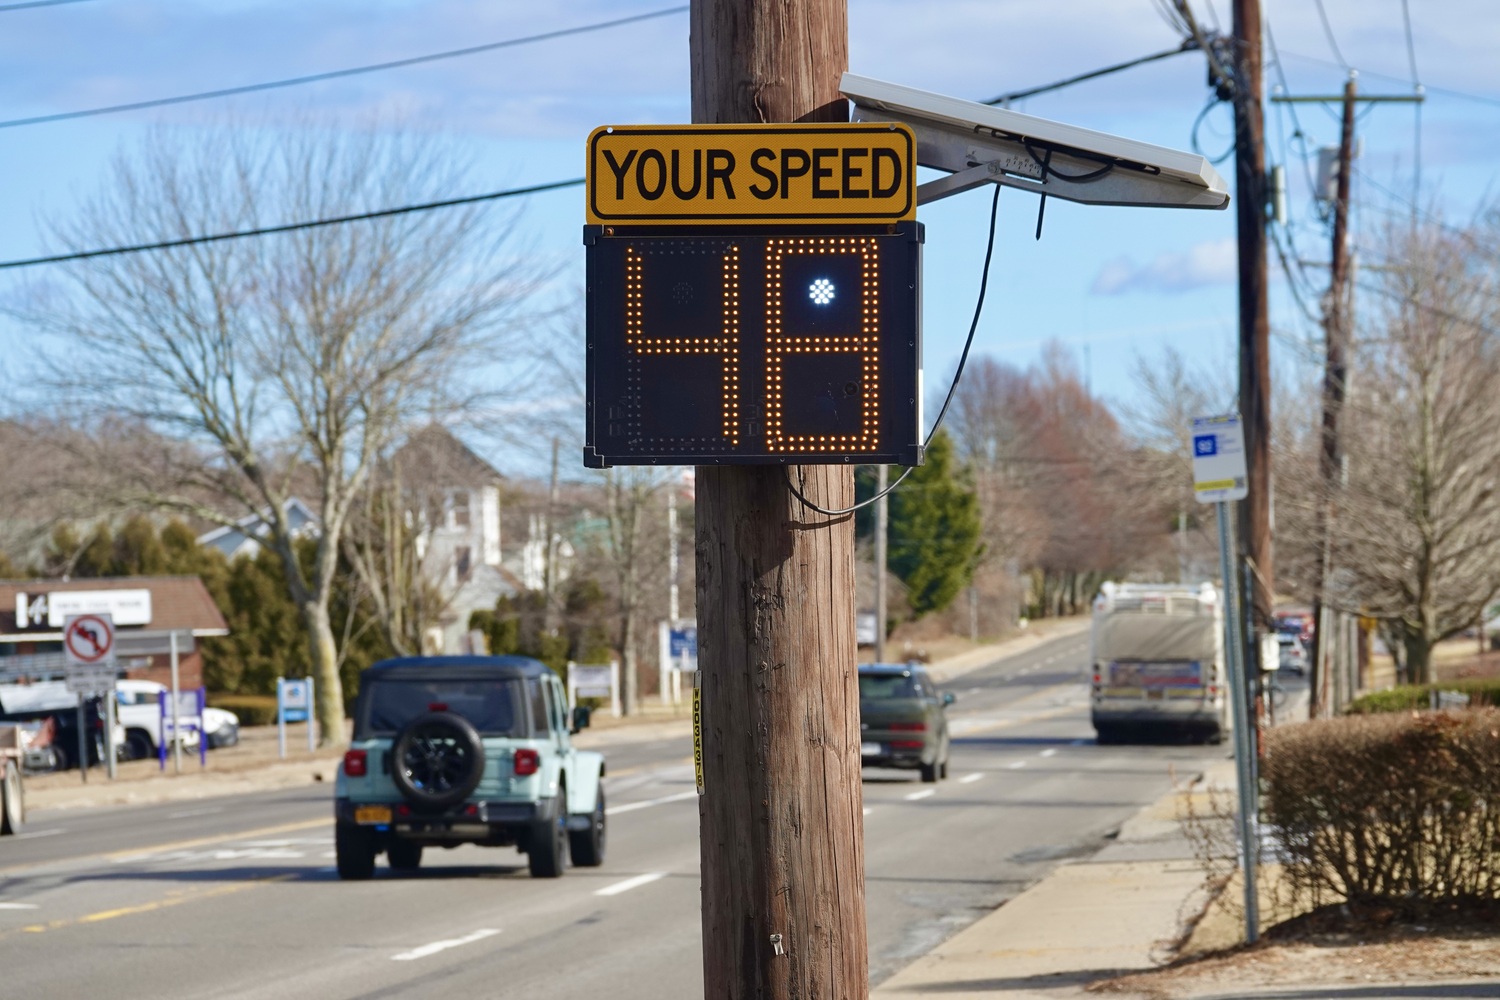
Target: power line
[(36, 3), (1448, 91), (1416, 82), (338, 73), (1187, 46), (1328, 32), (291, 226)]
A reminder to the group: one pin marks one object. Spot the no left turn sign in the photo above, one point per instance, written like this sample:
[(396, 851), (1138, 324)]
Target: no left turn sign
[(89, 639)]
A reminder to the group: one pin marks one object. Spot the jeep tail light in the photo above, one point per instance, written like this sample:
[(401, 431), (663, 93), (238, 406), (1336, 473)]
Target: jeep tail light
[(906, 744), (403, 811), (908, 727), (356, 764), (527, 762)]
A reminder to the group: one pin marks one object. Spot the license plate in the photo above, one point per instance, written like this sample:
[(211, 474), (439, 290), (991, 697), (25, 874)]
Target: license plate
[(372, 814), (869, 749)]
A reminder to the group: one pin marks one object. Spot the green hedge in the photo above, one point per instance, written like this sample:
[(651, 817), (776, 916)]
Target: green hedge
[(253, 709), (1405, 698)]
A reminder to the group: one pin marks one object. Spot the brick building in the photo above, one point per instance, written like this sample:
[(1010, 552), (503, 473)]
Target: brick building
[(147, 611)]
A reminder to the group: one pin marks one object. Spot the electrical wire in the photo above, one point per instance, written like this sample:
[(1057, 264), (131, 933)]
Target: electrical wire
[(1416, 82), (1193, 135), (339, 73), (1004, 99), (290, 226), (963, 359), (35, 3), (1328, 33)]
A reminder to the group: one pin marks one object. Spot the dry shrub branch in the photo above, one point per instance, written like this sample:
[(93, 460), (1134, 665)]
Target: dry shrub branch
[(1389, 811)]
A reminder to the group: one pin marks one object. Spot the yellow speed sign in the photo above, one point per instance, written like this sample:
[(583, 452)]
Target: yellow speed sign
[(818, 174)]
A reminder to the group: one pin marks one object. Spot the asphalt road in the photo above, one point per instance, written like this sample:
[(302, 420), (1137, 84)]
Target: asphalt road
[(237, 898)]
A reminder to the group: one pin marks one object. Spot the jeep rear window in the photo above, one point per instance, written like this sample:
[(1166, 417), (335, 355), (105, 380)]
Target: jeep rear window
[(495, 708)]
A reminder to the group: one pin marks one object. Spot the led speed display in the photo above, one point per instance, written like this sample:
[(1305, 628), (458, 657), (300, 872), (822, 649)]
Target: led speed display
[(753, 346)]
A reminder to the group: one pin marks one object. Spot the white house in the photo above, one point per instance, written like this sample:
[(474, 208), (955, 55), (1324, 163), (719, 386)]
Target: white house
[(455, 502), (248, 537)]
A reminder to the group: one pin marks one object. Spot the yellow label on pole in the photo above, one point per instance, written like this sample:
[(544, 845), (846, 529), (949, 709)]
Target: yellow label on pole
[(698, 735), (797, 174)]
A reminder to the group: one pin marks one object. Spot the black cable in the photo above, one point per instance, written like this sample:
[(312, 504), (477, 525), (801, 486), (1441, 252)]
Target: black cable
[(336, 74), (963, 359), (35, 3), (1197, 123), (1328, 32), (292, 226), (1049, 170), (1188, 46)]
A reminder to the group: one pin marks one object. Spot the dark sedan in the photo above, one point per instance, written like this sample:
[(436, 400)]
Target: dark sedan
[(903, 719)]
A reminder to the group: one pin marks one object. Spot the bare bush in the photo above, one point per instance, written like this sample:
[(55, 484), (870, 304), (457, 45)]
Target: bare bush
[(1400, 811)]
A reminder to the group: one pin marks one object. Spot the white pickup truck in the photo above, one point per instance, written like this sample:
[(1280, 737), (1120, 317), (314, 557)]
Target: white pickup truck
[(139, 708)]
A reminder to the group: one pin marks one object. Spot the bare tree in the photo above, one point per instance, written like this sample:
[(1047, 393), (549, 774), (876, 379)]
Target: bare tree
[(1417, 537), (289, 361)]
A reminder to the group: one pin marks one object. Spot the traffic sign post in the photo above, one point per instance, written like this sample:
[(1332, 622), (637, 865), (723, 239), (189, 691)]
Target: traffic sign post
[(294, 703), (89, 645), (1219, 478)]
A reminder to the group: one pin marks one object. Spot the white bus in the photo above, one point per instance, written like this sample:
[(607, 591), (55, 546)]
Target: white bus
[(1157, 662)]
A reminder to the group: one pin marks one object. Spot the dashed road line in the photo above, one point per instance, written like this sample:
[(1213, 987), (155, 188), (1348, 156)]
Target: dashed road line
[(631, 883), (633, 806), (1049, 752), (17, 906), (926, 793), (437, 946), (969, 779), (1016, 765)]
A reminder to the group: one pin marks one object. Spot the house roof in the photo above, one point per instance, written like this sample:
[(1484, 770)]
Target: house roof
[(433, 457), (254, 527), (178, 603)]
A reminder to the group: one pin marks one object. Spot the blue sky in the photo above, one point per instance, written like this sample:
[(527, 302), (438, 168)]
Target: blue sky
[(1119, 282)]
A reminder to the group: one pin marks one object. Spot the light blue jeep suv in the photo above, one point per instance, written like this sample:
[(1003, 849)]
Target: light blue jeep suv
[(451, 750)]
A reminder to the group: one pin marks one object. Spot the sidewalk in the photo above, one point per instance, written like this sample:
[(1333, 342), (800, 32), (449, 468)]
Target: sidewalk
[(254, 765), (1075, 933)]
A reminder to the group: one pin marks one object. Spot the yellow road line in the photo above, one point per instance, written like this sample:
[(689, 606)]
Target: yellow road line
[(179, 845), (160, 904)]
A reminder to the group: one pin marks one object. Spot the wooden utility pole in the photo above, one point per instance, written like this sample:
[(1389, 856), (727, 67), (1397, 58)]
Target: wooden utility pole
[(1335, 372), (1255, 326), (782, 831)]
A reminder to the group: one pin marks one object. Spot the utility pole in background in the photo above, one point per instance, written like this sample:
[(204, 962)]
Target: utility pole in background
[(1335, 372), (1254, 308), (780, 814)]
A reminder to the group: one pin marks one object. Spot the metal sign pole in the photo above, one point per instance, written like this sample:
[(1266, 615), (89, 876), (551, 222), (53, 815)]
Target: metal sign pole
[(281, 717), (83, 746), (109, 731), (1243, 737), (176, 710)]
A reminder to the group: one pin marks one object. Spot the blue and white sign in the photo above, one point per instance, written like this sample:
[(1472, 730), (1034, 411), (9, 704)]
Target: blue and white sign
[(295, 700), (683, 642), (1219, 459)]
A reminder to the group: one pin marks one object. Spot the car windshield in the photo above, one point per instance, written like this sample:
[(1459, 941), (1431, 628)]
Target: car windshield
[(881, 686), (490, 706)]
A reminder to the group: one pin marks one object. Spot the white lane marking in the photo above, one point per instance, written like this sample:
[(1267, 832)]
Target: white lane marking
[(868, 810), (1016, 765), (40, 833), (1050, 752), (969, 779), (17, 906), (186, 813), (926, 793), (437, 946), (631, 883), (632, 806)]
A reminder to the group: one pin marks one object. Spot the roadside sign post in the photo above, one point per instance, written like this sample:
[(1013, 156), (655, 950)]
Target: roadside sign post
[(176, 700), (294, 702), (89, 645), (1219, 479), (600, 680)]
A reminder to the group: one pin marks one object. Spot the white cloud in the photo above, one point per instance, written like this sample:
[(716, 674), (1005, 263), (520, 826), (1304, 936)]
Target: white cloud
[(1202, 266)]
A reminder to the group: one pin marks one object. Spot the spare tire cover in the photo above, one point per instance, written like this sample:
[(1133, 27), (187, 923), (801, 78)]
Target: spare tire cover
[(437, 759)]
